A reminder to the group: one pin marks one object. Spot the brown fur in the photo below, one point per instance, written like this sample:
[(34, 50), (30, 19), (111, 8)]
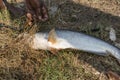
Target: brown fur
[(36, 11), (2, 6)]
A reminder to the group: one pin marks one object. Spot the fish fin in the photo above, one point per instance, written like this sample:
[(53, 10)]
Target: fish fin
[(52, 36), (54, 51)]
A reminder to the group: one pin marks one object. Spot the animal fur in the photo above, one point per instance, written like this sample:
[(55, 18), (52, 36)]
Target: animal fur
[(36, 11)]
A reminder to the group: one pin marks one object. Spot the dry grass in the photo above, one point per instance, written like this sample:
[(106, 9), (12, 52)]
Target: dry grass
[(19, 62)]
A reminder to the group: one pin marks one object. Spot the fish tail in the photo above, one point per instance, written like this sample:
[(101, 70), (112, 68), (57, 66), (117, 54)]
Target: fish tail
[(116, 53), (113, 51)]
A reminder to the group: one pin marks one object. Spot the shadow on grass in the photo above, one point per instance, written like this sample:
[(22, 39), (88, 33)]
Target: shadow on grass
[(79, 15)]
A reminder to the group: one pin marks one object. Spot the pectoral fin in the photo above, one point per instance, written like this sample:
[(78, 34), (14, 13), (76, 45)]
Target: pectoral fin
[(54, 51), (52, 36)]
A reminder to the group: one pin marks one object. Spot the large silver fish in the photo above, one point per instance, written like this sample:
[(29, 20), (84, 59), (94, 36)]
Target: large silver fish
[(63, 39)]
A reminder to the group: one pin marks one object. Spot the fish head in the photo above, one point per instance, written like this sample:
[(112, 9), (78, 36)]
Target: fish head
[(40, 41)]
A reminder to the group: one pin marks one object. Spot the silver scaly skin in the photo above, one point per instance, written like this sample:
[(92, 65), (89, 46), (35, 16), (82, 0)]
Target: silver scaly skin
[(75, 40)]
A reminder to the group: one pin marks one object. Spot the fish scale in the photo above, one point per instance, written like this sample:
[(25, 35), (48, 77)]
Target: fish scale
[(75, 40)]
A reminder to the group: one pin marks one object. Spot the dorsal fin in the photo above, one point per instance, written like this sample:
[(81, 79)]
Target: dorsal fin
[(52, 36)]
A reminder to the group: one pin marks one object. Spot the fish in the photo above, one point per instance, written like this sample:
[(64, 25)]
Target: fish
[(58, 39)]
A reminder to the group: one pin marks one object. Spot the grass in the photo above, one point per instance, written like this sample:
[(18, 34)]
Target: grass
[(64, 66), (19, 62)]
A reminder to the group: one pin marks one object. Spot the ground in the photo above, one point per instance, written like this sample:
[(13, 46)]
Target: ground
[(93, 17)]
